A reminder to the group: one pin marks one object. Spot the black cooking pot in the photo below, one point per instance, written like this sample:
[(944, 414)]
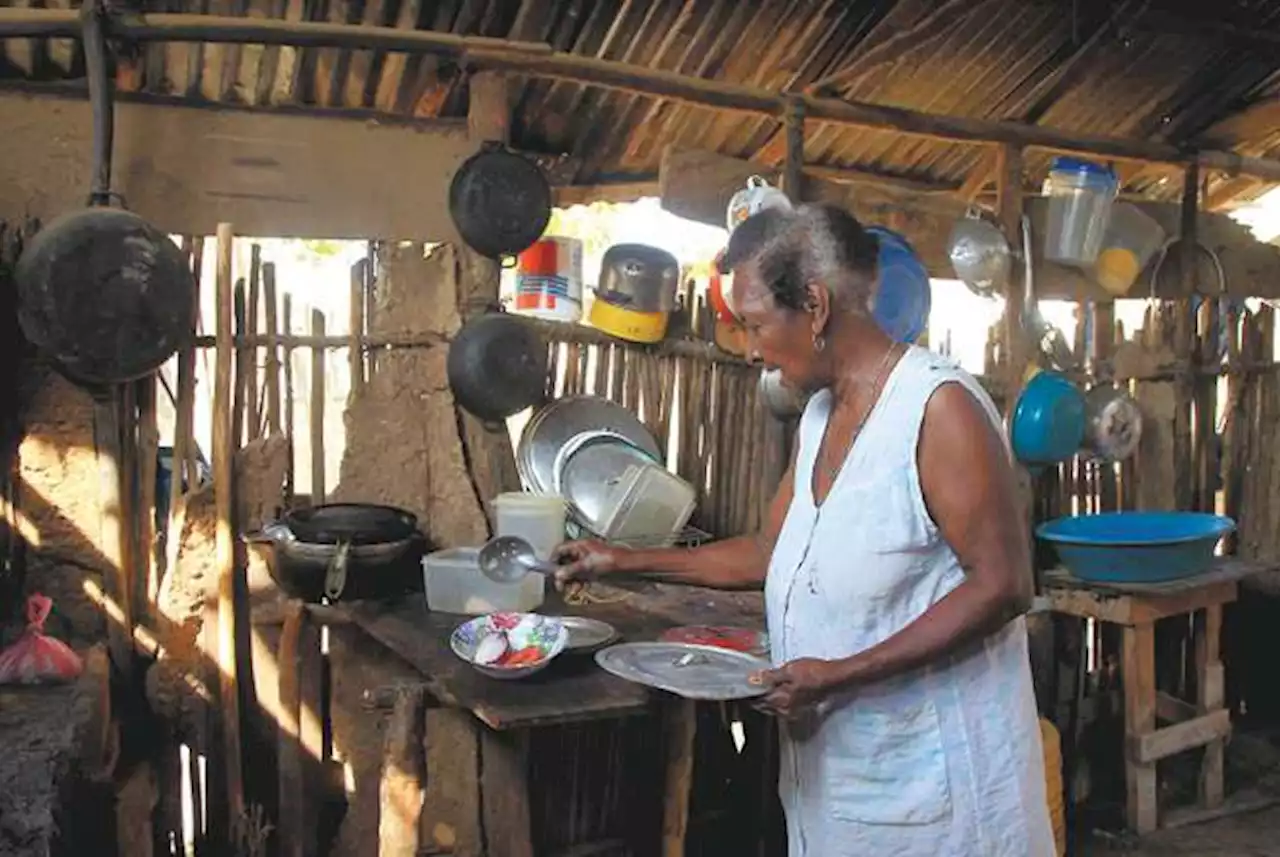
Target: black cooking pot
[(500, 202), (497, 366), (345, 552), (105, 294)]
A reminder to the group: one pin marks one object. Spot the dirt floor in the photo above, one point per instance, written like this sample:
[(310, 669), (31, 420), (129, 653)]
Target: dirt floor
[(1253, 780), (1249, 835)]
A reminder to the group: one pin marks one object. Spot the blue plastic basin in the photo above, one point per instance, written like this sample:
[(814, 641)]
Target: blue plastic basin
[(904, 296), (1136, 547)]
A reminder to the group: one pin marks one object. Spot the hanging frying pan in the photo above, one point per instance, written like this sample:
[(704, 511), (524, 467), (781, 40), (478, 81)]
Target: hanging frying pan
[(500, 202), (497, 366), (101, 291)]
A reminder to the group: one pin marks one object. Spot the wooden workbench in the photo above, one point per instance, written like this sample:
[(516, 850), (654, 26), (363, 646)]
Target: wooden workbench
[(572, 690)]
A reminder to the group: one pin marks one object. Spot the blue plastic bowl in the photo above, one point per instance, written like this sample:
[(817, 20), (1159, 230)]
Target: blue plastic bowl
[(904, 296), (1048, 421), (1136, 547)]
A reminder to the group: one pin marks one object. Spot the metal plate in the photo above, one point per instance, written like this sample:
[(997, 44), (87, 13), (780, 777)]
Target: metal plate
[(694, 672), (559, 422), (587, 635)]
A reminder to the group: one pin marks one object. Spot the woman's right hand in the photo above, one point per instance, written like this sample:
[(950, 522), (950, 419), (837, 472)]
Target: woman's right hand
[(585, 560)]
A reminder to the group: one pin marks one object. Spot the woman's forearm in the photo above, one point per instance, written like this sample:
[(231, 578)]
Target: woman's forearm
[(736, 563), (970, 612)]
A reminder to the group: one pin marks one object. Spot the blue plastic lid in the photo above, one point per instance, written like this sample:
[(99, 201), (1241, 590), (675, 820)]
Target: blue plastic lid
[(905, 295), (1082, 167)]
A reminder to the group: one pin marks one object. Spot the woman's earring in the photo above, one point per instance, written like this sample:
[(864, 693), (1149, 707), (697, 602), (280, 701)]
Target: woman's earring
[(819, 342)]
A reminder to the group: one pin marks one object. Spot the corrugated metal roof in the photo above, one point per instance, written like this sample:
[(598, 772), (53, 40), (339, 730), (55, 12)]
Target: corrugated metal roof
[(1127, 68)]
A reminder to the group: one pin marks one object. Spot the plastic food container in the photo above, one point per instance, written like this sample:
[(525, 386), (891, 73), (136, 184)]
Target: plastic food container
[(549, 279), (1080, 195), (537, 518), (454, 583), (650, 507), (1131, 239)]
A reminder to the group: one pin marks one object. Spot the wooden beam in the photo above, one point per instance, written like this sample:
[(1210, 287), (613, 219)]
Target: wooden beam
[(539, 60)]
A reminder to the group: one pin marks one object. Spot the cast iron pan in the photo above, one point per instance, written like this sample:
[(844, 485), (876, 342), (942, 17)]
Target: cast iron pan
[(102, 292), (500, 202), (497, 366), (351, 523)]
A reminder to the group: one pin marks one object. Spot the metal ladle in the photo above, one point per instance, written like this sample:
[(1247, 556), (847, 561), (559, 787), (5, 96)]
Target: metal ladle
[(507, 559)]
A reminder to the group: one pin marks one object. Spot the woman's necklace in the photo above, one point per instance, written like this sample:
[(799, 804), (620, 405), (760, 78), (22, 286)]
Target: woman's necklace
[(833, 470)]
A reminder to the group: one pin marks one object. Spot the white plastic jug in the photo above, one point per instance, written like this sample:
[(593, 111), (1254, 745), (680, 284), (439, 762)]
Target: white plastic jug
[(539, 519)]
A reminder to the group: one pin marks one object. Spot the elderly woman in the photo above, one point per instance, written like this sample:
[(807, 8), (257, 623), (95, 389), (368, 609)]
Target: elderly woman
[(895, 567)]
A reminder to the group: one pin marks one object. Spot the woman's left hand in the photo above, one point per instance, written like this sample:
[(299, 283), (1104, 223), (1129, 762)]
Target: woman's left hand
[(796, 687)]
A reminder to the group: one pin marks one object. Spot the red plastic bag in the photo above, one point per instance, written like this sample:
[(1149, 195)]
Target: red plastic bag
[(34, 658)]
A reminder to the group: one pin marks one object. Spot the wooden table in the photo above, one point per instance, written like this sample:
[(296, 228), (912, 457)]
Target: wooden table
[(571, 690), (1202, 722)]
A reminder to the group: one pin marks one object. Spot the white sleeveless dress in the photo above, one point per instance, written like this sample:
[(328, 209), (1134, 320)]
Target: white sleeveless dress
[(942, 762)]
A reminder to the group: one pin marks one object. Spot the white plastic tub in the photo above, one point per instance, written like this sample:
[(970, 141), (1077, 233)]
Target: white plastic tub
[(454, 584), (537, 518)]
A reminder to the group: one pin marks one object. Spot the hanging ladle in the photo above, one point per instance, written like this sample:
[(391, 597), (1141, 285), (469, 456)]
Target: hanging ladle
[(507, 559)]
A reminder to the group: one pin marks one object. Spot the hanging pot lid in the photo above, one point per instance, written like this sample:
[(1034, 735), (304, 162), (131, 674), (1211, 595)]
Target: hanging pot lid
[(980, 255), (500, 202), (1113, 423)]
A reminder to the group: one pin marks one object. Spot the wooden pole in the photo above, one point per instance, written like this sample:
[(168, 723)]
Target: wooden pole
[(539, 60), (355, 351), (106, 442), (253, 409), (317, 411), (183, 442), (286, 326), (148, 449), (273, 349), (224, 534), (241, 346)]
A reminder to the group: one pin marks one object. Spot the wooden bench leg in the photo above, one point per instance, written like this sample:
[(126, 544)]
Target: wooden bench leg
[(504, 785), (1139, 679), (1211, 694), (680, 723)]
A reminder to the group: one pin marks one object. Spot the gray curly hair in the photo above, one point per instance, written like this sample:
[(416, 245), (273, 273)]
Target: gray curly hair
[(810, 244)]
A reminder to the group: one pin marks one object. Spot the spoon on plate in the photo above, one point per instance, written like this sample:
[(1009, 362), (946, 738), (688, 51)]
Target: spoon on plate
[(507, 559)]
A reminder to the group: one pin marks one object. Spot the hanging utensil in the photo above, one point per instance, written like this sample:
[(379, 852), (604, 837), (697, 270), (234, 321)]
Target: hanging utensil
[(1113, 423), (1048, 340), (500, 202), (980, 255), (105, 294), (507, 559)]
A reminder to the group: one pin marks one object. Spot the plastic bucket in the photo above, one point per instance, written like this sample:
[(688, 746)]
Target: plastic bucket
[(549, 279), (1080, 195), (539, 519), (1131, 239)]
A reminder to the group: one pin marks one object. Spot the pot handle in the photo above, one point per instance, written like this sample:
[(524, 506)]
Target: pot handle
[(275, 532), (335, 576)]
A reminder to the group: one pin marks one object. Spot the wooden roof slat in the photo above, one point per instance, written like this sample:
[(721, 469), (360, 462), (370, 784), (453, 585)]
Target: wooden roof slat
[(538, 60)]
